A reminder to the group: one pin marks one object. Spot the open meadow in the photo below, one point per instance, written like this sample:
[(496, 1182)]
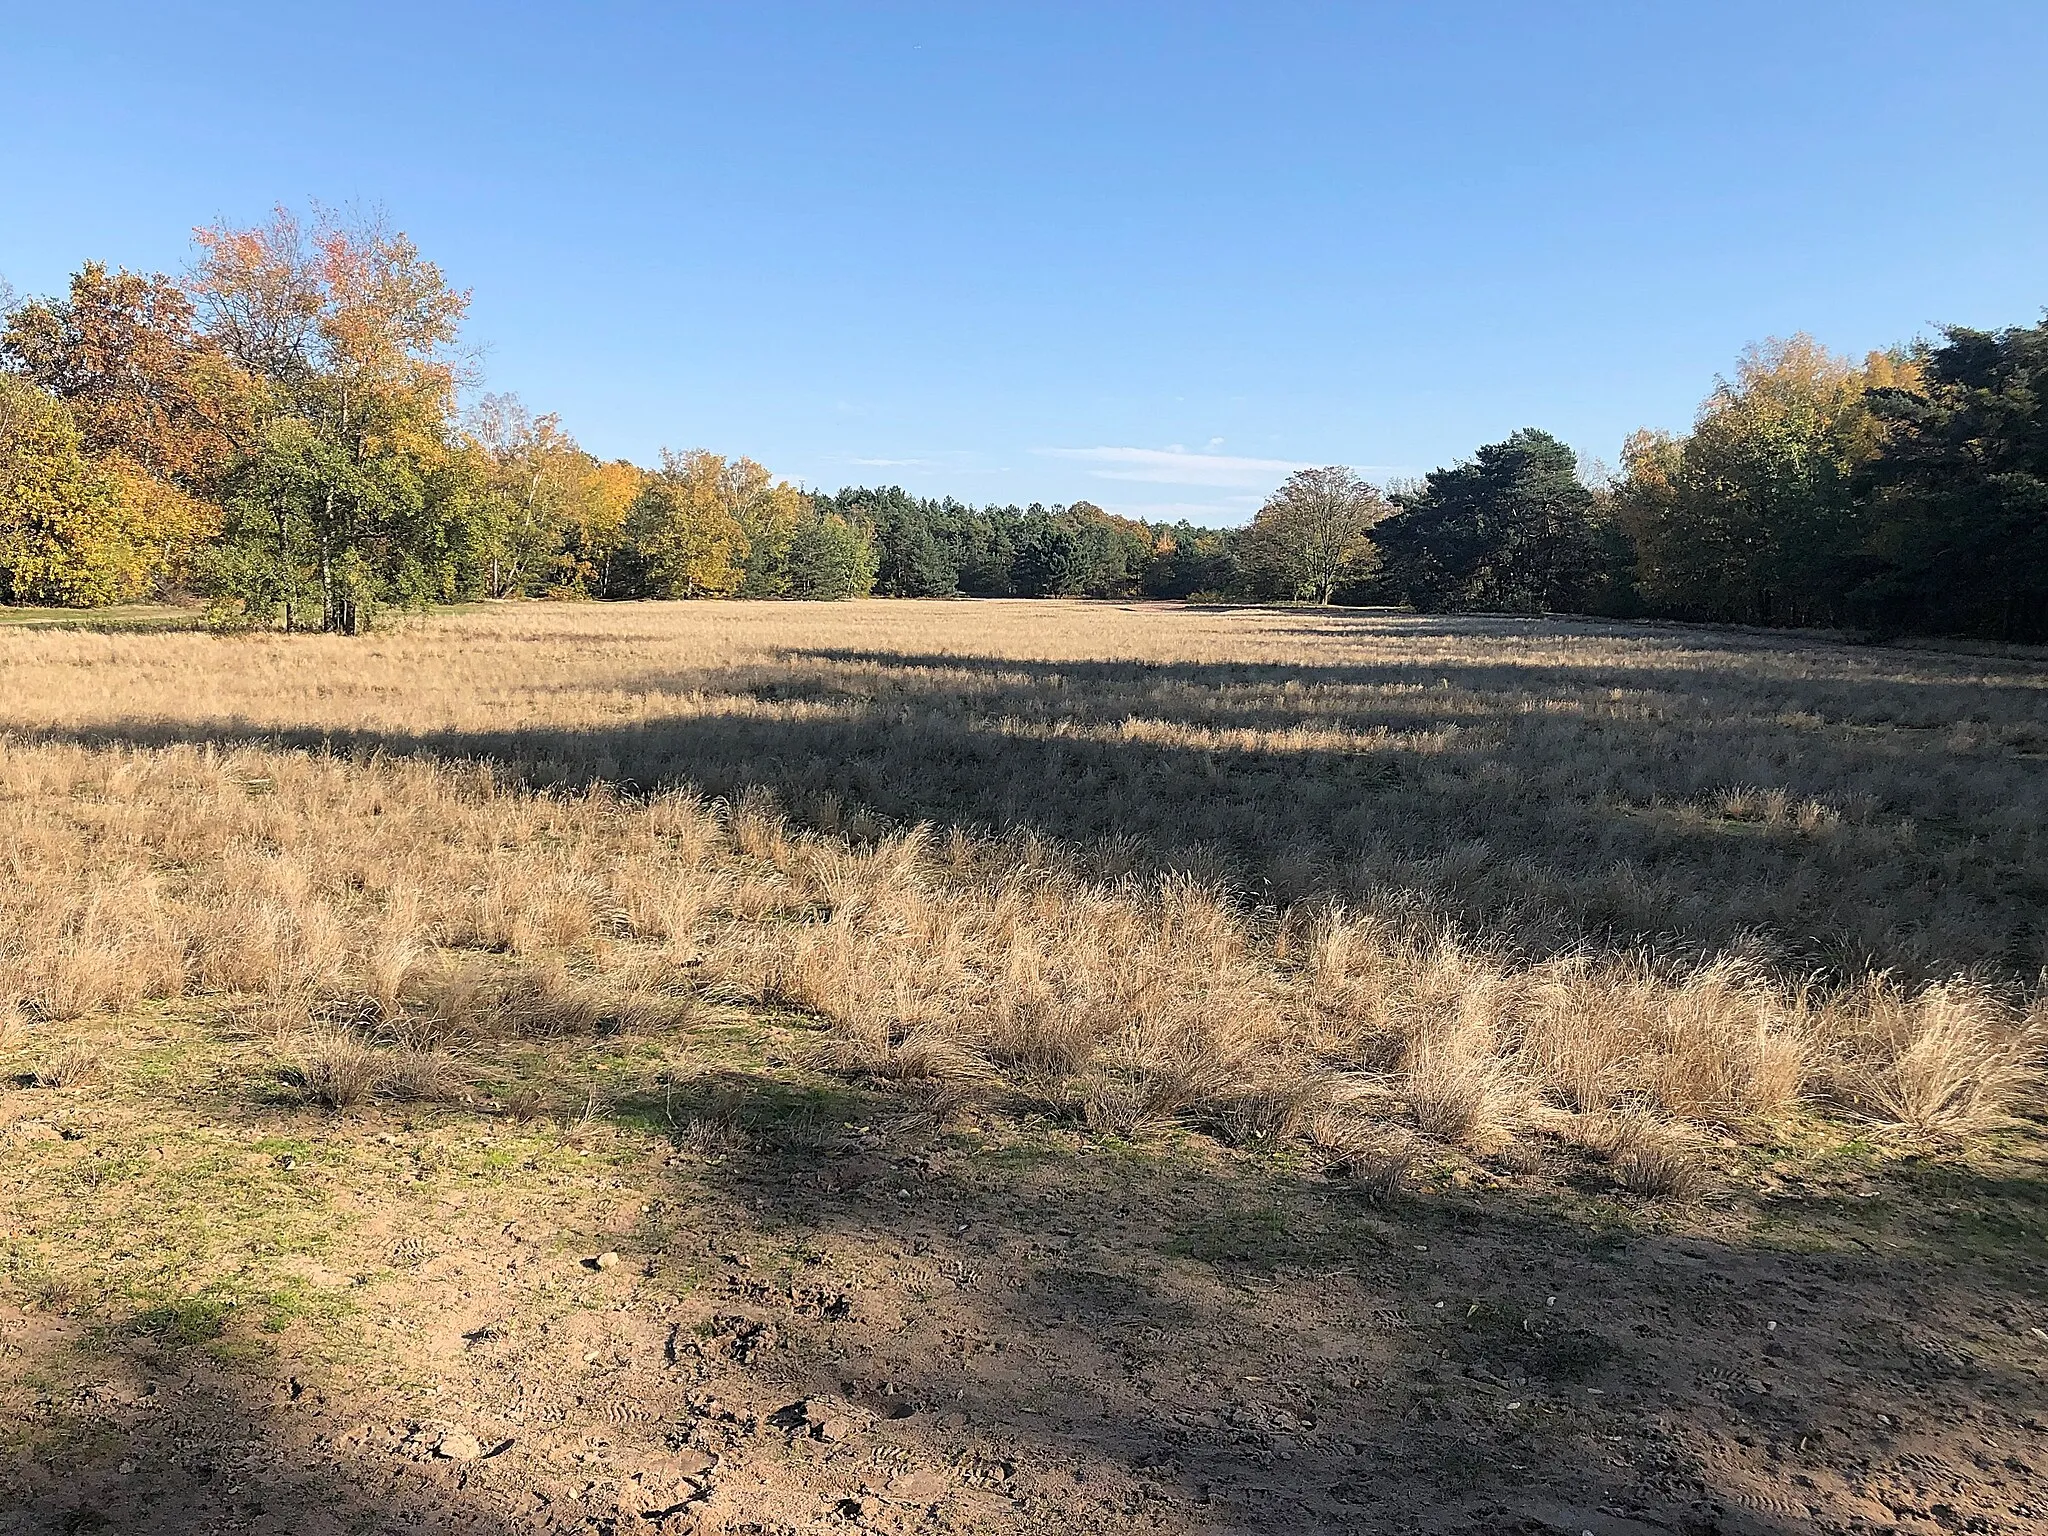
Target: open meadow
[(1002, 1066)]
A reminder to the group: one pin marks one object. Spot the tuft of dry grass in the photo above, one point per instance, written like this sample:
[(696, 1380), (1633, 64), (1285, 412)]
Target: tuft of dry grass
[(1383, 1173), (1644, 1154), (1378, 1160), (70, 1066), (1657, 1169), (341, 1070), (1270, 1109), (421, 1076), (1340, 1132), (1519, 1157), (1945, 1060), (1455, 1097)]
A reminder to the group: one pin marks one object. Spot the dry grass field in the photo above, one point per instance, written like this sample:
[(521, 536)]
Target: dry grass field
[(989, 1066)]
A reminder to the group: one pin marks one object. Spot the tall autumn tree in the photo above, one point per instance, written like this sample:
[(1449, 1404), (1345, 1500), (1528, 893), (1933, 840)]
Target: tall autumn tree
[(598, 514), (769, 513), (124, 352), (686, 523), (533, 476), (1312, 534), (153, 400), (350, 333), (1754, 516)]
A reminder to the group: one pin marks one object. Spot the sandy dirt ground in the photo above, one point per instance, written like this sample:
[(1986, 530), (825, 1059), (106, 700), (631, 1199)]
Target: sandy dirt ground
[(1017, 1328)]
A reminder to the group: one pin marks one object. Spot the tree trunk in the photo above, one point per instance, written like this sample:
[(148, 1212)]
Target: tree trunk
[(284, 566), (327, 614)]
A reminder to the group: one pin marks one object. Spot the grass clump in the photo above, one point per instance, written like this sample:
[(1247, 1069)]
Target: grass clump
[(1644, 1154), (1947, 1060), (341, 1070), (70, 1066)]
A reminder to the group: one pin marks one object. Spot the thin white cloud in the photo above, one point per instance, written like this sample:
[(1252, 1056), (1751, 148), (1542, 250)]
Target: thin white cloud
[(1177, 466), (893, 463)]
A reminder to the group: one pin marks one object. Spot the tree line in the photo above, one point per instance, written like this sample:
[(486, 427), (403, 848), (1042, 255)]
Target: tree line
[(280, 431)]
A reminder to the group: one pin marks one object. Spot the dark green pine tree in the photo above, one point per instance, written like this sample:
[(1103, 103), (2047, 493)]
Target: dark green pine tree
[(1957, 497), (1511, 530)]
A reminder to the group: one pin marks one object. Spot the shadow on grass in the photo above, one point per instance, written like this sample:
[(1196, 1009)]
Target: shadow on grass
[(1459, 784)]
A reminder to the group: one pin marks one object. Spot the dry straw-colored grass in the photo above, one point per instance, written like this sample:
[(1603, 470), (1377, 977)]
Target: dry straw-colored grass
[(1263, 873)]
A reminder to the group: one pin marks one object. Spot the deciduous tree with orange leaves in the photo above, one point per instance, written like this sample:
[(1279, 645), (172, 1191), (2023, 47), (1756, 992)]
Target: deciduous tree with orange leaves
[(349, 490)]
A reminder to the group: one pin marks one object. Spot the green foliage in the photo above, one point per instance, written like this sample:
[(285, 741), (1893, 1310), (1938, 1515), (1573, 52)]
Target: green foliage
[(830, 557), (1513, 530), (1958, 493), (1054, 558), (917, 564), (1191, 560), (1077, 551), (318, 531), (919, 543), (934, 548)]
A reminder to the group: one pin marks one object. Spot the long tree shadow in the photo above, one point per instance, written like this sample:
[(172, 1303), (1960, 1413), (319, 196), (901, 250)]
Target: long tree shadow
[(1665, 664)]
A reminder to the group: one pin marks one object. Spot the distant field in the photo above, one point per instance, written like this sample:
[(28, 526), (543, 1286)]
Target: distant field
[(123, 616), (1034, 1016)]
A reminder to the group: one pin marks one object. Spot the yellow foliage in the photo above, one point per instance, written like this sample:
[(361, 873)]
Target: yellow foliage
[(1752, 516), (712, 526), (63, 528), (603, 499), (168, 523)]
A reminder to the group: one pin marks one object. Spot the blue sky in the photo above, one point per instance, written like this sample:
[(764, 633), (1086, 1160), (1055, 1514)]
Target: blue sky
[(1149, 255)]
